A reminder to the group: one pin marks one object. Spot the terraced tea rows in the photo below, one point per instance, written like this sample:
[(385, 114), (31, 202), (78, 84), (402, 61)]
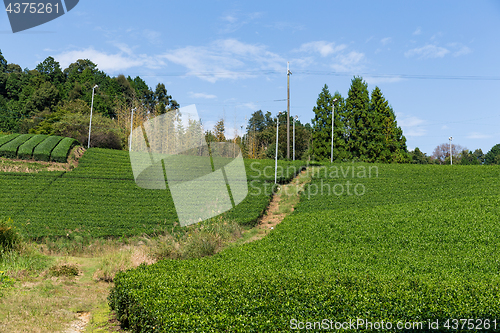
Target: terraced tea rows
[(420, 243), (40, 147)]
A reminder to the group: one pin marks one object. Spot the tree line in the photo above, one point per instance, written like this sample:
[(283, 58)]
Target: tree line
[(50, 100), (459, 155)]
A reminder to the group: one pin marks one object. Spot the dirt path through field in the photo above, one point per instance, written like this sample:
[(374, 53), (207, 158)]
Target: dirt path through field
[(282, 204)]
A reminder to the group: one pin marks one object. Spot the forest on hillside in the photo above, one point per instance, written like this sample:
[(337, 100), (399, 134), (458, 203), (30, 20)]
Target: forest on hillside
[(56, 101)]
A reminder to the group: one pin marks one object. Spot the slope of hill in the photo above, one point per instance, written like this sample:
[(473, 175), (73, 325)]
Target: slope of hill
[(409, 244)]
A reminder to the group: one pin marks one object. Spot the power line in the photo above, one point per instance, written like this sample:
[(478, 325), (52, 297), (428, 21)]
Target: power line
[(333, 73)]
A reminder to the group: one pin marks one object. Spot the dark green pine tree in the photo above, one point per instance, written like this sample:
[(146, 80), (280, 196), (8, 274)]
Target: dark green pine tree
[(379, 128), (340, 151), (394, 139), (493, 156), (321, 124), (357, 118)]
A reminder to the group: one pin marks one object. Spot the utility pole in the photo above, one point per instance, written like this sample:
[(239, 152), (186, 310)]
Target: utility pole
[(276, 158), (295, 118), (288, 73), (451, 156), (91, 107), (333, 123), (131, 128)]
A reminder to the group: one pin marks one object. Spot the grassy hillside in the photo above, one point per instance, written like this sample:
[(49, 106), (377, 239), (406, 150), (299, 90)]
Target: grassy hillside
[(421, 243), (100, 198)]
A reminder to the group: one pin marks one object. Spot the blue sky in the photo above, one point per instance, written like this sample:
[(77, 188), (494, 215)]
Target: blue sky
[(437, 62)]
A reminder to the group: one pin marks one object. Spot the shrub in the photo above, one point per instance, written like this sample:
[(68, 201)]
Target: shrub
[(105, 133), (43, 150), (61, 151), (5, 282), (9, 149), (8, 235), (25, 151), (108, 140), (64, 270)]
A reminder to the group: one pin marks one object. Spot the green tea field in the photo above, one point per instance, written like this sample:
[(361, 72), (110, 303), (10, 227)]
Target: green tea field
[(391, 244), (100, 198)]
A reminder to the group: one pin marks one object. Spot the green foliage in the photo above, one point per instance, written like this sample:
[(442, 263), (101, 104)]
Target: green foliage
[(61, 151), (9, 150), (358, 118), (469, 158), (5, 282), (105, 133), (36, 100), (25, 151), (492, 157), (43, 150), (8, 235), (7, 138), (418, 157), (364, 128), (322, 125), (420, 244)]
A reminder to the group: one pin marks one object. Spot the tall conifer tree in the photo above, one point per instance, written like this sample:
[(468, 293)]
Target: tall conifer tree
[(357, 118), (321, 124)]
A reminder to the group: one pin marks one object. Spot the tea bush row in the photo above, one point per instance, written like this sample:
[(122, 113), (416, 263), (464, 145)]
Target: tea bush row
[(9, 150), (43, 150), (25, 151), (61, 151), (39, 147)]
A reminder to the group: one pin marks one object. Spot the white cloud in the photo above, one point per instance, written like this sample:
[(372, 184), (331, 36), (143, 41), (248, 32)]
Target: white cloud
[(411, 125), (225, 59), (444, 127), (111, 63), (322, 47), (201, 95), (459, 49), (477, 135), (410, 121), (251, 106), (386, 40), (301, 62), (348, 62), (427, 51), (233, 21), (230, 19), (417, 32), (154, 37)]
